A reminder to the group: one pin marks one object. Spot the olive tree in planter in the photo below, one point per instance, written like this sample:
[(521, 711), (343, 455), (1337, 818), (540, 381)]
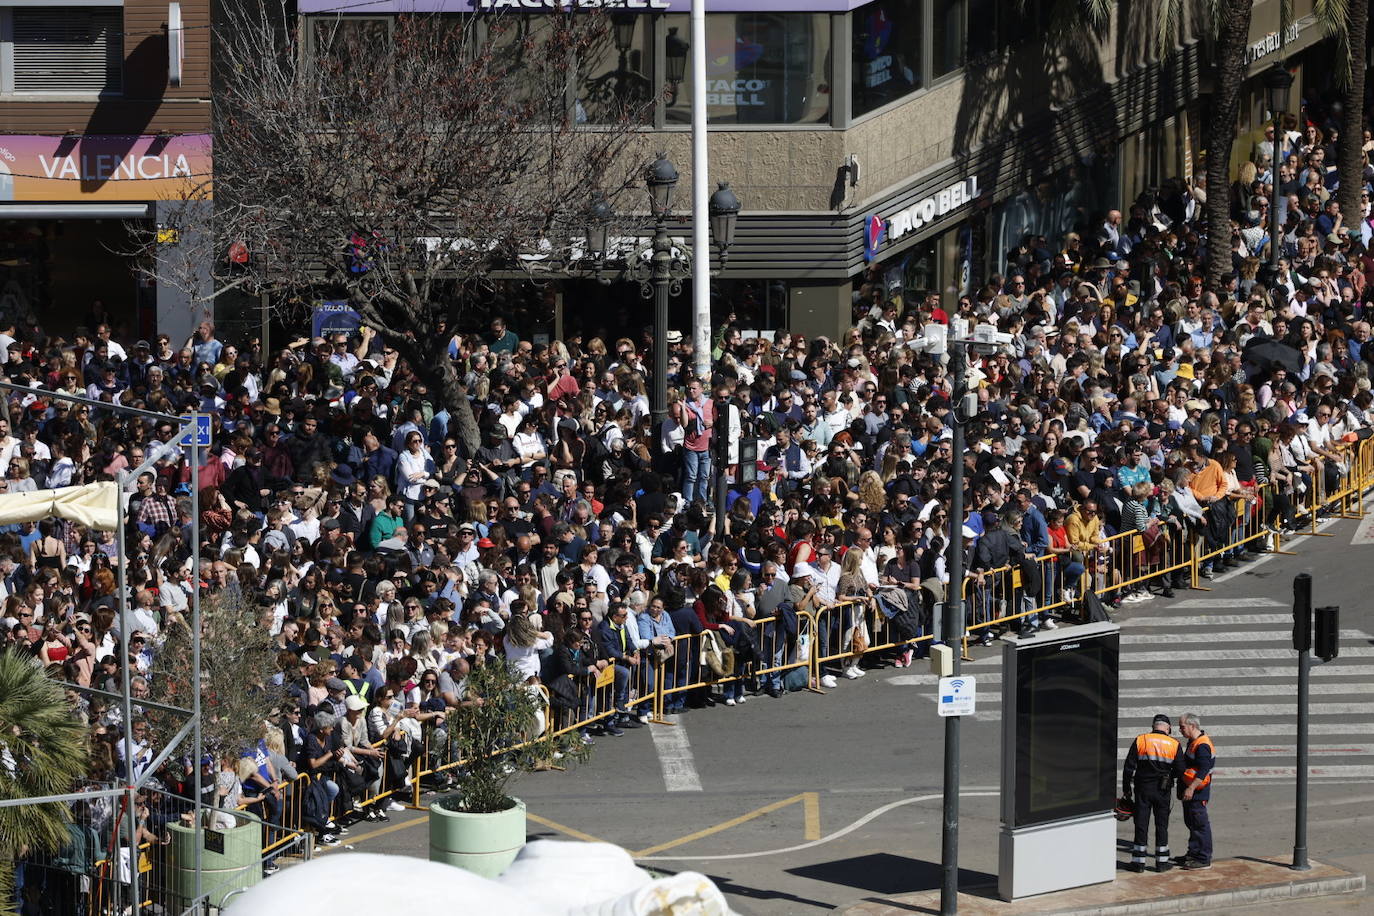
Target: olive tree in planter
[(500, 731), (238, 661)]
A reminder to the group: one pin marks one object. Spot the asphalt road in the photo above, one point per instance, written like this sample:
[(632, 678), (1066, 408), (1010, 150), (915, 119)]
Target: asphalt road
[(807, 802)]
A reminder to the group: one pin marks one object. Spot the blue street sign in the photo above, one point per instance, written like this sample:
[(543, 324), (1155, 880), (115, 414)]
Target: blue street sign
[(196, 430)]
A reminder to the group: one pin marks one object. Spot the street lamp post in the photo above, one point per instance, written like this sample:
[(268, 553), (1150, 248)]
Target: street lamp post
[(1277, 82), (661, 177)]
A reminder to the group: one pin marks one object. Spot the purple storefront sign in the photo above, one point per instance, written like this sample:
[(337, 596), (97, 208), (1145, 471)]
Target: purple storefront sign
[(363, 7)]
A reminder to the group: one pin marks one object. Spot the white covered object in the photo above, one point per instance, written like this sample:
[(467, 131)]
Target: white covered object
[(548, 878)]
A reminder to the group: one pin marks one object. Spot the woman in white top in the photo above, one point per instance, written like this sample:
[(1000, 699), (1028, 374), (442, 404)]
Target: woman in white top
[(412, 470), (524, 641), (529, 443)]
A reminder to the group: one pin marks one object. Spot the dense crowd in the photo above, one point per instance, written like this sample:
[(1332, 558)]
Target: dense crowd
[(387, 558)]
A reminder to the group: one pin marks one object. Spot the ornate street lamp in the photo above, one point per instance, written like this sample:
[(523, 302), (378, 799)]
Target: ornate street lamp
[(1277, 81)]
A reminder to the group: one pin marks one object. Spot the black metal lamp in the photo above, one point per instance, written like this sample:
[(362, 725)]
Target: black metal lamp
[(624, 26), (675, 55), (724, 209), (1277, 81), (598, 225), (661, 177)]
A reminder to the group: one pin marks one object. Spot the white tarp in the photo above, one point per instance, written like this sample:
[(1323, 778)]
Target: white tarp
[(548, 878), (95, 505)]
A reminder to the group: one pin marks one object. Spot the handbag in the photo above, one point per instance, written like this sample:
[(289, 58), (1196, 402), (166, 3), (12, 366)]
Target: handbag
[(857, 638)]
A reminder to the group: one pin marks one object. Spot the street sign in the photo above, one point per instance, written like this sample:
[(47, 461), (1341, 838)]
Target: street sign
[(196, 430), (956, 696)]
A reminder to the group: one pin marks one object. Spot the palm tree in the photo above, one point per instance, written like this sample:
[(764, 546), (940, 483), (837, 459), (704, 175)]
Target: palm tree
[(43, 751), (1231, 21), (1347, 21)]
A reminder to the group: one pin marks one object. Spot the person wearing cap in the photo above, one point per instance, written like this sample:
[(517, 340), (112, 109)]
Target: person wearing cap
[(360, 763), (1147, 777)]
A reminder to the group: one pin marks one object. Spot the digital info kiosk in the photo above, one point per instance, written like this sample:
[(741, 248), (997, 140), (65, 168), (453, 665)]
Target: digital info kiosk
[(1059, 766)]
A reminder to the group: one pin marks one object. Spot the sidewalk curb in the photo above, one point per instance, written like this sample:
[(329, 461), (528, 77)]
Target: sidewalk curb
[(1293, 890), (1329, 881)]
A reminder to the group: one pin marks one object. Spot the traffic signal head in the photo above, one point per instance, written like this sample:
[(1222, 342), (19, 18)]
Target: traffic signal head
[(1326, 644), (1302, 612)]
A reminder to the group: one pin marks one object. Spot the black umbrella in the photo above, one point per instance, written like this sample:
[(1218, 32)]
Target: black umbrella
[(1268, 354)]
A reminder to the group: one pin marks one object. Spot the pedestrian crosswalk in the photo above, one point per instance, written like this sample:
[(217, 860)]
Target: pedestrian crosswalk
[(1238, 672)]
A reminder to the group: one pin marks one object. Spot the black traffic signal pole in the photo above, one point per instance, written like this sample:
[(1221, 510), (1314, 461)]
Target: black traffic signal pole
[(1302, 641), (1327, 646)]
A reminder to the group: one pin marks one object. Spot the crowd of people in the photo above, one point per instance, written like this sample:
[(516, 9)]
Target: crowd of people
[(387, 556)]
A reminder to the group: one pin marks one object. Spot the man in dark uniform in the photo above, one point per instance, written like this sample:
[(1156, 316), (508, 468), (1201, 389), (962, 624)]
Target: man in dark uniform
[(1195, 789), (1146, 777)]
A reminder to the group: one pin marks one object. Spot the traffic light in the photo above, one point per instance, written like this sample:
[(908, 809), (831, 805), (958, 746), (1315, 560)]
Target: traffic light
[(1327, 643), (1302, 612)]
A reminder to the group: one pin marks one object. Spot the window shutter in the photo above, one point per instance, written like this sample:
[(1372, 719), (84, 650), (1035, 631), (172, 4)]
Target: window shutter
[(66, 49)]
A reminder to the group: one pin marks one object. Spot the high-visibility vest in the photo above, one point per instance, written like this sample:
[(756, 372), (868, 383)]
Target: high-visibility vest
[(1156, 747), (1191, 773)]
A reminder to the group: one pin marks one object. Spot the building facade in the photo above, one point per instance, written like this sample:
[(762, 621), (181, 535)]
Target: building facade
[(906, 143), (104, 117)]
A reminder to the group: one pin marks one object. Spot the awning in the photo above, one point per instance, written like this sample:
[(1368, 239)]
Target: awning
[(74, 211), (95, 505)]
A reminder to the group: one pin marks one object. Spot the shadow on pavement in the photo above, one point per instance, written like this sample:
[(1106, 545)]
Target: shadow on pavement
[(884, 873)]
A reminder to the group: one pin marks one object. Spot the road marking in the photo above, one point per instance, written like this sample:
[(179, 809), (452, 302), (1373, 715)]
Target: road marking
[(675, 757), (1264, 710), (1205, 656), (842, 832), (1227, 620), (1364, 532), (1241, 690), (1277, 751), (1328, 772), (810, 802), (562, 828), (1225, 602), (1261, 636), (1229, 733), (1285, 673), (349, 841)]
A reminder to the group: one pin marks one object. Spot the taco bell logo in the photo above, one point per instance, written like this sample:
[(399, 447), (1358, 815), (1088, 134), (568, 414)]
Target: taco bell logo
[(875, 233)]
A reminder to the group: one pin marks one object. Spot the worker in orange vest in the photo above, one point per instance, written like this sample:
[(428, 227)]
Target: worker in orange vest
[(1146, 779), (1195, 789)]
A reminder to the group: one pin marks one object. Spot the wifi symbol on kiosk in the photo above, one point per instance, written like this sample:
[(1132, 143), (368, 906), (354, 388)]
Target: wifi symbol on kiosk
[(956, 685)]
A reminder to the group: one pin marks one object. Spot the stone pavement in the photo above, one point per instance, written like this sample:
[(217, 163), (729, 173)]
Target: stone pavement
[(1228, 883)]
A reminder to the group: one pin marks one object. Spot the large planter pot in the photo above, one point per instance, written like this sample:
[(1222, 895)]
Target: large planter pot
[(484, 844), (239, 866)]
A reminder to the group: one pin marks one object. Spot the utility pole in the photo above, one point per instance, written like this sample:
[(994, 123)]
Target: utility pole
[(953, 635)]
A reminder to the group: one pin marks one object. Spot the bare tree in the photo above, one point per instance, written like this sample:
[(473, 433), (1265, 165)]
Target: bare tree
[(399, 165)]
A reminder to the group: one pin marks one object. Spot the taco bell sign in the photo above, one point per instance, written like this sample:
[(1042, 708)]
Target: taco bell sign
[(923, 212)]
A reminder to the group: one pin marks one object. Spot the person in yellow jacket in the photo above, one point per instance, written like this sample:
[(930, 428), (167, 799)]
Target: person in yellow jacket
[(1146, 779)]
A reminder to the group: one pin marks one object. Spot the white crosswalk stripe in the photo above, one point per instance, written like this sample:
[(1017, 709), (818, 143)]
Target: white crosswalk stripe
[(1238, 671)]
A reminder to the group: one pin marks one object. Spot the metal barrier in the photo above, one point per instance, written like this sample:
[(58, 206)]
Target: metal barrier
[(825, 638)]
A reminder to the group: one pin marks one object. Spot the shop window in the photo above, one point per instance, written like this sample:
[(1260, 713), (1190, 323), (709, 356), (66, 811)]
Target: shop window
[(761, 68), (615, 80), (887, 52), (947, 36), (64, 49)]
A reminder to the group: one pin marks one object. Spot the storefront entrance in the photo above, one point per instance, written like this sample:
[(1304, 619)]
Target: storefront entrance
[(68, 272)]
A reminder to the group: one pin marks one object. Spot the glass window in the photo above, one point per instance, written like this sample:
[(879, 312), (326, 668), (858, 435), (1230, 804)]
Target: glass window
[(614, 79), (887, 52), (947, 36), (761, 68)]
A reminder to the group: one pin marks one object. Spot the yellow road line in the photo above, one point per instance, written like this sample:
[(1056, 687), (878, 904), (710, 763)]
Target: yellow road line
[(371, 834), (562, 828), (811, 804), (808, 804)]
